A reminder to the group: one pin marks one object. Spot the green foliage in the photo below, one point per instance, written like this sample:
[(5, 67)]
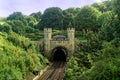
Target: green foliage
[(21, 23), (116, 10), (52, 18), (116, 42), (116, 7), (17, 26), (107, 66), (68, 17), (77, 65), (37, 16), (81, 38), (87, 18), (72, 70), (16, 16), (109, 26), (100, 6), (36, 35), (19, 59), (92, 43), (101, 19), (31, 21), (108, 4), (5, 28), (103, 6), (98, 30)]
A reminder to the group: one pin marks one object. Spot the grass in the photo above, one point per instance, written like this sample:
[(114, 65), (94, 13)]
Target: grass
[(81, 37), (35, 36)]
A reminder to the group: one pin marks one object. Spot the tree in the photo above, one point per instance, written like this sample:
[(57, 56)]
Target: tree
[(37, 16), (52, 18), (16, 16), (31, 21), (5, 28), (17, 26), (103, 6), (68, 17), (87, 18), (106, 66), (116, 9), (18, 57), (108, 5), (100, 6), (109, 24)]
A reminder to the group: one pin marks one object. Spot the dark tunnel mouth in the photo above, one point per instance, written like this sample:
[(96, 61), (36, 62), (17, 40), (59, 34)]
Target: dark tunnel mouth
[(59, 54)]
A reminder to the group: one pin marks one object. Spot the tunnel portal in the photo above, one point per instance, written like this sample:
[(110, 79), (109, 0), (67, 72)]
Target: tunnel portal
[(58, 47), (59, 54)]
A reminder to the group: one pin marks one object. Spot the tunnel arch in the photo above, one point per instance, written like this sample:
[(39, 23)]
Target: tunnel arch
[(59, 53)]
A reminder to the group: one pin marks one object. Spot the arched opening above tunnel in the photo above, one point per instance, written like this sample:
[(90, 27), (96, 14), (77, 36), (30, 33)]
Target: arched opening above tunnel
[(59, 54)]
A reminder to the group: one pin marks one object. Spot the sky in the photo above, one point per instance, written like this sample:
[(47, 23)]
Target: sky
[(27, 7)]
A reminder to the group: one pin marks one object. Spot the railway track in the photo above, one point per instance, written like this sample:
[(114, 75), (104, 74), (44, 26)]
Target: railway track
[(54, 72)]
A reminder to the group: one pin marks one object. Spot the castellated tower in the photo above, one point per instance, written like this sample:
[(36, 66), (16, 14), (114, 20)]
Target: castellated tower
[(71, 38), (59, 45), (47, 38)]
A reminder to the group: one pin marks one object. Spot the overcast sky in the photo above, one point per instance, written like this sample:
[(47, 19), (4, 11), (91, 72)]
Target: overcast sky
[(29, 6)]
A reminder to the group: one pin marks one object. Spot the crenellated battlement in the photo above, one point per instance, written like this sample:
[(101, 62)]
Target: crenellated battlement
[(71, 29), (47, 30), (50, 43)]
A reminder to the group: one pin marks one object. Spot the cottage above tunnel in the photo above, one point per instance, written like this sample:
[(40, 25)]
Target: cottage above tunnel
[(59, 37)]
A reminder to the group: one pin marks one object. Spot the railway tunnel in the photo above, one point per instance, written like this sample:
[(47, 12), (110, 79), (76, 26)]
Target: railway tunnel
[(58, 47), (59, 54)]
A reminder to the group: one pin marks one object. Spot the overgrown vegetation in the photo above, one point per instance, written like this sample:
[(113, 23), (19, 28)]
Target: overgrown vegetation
[(98, 57), (97, 28), (19, 57)]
